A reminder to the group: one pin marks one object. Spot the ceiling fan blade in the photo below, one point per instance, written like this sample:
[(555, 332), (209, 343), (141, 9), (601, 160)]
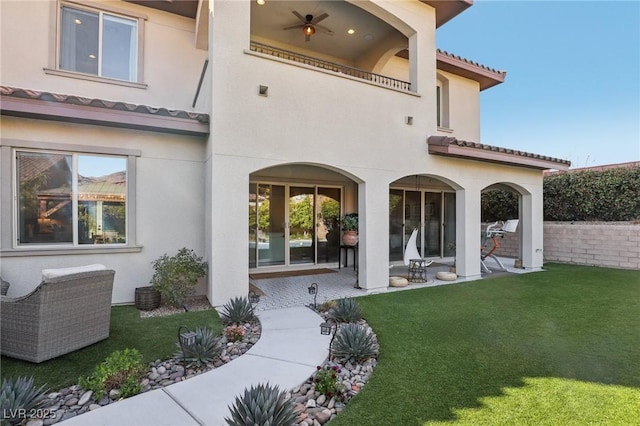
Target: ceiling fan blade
[(300, 17), (322, 29), (290, 27), (319, 18)]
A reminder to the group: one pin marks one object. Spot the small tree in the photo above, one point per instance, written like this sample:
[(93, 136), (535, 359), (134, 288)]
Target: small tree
[(175, 277)]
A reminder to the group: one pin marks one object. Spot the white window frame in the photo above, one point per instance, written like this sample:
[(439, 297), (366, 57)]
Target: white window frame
[(54, 60), (9, 210)]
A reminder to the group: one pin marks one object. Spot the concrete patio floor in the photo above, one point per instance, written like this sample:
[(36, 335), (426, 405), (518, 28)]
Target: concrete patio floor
[(293, 291)]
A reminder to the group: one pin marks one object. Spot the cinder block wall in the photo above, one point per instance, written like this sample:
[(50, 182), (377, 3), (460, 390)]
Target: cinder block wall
[(609, 244)]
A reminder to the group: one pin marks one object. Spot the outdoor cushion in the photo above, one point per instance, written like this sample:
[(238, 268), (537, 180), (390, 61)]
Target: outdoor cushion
[(49, 274), (398, 282), (446, 276)]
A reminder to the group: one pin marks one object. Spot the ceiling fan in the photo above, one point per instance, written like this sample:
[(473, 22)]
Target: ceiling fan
[(309, 25)]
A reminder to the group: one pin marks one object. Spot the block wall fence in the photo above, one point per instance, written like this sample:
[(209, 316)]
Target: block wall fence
[(608, 244)]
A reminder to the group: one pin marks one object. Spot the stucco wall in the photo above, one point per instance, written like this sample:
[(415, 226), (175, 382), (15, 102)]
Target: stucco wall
[(169, 200), (609, 244), (168, 40)]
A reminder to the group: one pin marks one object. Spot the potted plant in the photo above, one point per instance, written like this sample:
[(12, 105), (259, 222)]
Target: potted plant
[(350, 229), (175, 277)]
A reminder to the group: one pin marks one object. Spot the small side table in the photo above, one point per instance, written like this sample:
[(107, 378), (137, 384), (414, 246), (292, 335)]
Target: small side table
[(417, 271), (346, 249)]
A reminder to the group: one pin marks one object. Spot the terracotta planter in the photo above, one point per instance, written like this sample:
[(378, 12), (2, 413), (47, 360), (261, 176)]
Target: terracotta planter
[(350, 238)]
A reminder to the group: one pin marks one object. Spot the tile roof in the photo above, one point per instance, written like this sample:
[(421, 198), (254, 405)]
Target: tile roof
[(61, 107), (453, 147), (470, 62)]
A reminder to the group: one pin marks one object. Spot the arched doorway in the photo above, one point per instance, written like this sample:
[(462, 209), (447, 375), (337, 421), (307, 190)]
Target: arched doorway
[(294, 215)]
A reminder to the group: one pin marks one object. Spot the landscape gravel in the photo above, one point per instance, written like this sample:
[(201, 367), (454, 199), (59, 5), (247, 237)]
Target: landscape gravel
[(314, 408)]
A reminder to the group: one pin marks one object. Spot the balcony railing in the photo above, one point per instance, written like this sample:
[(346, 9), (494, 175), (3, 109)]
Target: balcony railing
[(331, 66)]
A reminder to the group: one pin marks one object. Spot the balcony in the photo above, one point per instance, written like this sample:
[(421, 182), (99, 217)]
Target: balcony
[(369, 77)]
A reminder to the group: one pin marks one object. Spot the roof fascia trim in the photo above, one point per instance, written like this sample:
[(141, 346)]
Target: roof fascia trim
[(83, 114), (446, 146)]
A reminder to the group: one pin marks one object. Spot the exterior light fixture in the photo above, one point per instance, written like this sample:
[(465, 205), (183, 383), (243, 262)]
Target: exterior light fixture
[(254, 297), (313, 289), (187, 338), (308, 30), (325, 330)]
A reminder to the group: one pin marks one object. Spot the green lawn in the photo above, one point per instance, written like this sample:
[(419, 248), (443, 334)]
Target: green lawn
[(154, 337), (555, 347)]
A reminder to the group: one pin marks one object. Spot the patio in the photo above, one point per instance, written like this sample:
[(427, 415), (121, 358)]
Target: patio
[(286, 292)]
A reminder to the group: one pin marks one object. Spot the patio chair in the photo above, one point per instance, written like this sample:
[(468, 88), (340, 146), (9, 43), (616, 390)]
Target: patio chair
[(70, 309)]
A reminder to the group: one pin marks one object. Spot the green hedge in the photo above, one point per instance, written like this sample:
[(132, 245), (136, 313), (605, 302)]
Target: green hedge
[(588, 195)]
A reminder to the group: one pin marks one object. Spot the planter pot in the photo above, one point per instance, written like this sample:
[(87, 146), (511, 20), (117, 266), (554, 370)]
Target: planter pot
[(147, 298), (350, 238)]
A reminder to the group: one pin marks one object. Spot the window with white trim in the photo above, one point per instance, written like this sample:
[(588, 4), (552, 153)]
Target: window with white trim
[(98, 43), (70, 198)]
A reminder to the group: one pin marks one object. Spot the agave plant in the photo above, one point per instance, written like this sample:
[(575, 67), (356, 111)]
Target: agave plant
[(19, 396), (203, 351), (262, 405), (354, 342), (346, 310), (237, 311)]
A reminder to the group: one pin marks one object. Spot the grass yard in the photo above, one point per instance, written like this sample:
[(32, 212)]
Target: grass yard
[(556, 347), (155, 338)]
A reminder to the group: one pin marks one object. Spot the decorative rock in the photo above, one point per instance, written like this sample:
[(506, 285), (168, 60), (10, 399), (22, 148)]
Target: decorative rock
[(85, 397), (323, 416), (311, 403), (321, 400), (398, 282), (35, 422), (94, 407)]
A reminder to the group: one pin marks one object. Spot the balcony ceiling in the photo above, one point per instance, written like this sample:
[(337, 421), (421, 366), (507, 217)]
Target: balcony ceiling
[(268, 20)]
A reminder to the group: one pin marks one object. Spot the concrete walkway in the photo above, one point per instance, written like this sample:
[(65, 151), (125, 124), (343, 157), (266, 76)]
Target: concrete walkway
[(287, 353)]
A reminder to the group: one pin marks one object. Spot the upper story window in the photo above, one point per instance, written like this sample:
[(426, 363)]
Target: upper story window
[(99, 43), (70, 198)]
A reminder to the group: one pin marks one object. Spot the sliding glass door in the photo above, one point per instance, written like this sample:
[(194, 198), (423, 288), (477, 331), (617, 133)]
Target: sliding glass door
[(293, 224), (433, 214)]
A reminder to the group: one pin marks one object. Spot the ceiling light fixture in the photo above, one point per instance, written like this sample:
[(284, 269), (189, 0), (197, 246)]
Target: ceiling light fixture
[(308, 30), (77, 21), (92, 56), (260, 2), (351, 31)]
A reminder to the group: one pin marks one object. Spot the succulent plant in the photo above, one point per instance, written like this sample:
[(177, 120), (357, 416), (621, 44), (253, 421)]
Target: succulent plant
[(346, 310), (203, 351), (262, 405), (121, 370), (19, 396), (237, 311), (354, 342)]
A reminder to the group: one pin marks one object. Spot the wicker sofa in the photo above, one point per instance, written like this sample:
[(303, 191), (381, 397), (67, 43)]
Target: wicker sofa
[(66, 312)]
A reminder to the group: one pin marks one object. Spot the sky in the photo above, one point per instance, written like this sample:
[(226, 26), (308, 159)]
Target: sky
[(572, 89)]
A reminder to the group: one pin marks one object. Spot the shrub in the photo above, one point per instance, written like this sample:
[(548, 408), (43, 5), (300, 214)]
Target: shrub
[(19, 396), (327, 383), (327, 306), (237, 311), (175, 277), (121, 370), (354, 342), (234, 332), (262, 405), (205, 349), (346, 310)]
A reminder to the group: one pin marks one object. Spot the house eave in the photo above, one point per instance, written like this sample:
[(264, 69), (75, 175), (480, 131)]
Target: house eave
[(71, 109), (485, 76), (447, 10), (452, 147)]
